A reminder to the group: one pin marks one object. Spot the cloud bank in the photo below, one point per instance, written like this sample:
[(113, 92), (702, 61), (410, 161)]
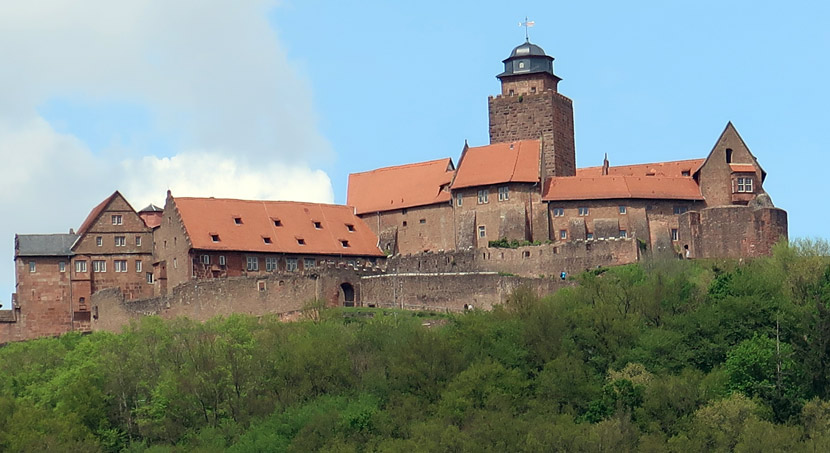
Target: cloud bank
[(229, 113)]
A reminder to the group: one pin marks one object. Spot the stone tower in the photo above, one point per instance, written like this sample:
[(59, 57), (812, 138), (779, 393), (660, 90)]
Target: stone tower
[(530, 107)]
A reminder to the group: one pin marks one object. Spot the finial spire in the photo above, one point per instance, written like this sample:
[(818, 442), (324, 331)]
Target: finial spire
[(527, 24)]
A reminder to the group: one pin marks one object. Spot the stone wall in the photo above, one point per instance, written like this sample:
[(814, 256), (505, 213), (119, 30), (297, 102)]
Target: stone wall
[(733, 231), (531, 261), (201, 300), (548, 115), (450, 292)]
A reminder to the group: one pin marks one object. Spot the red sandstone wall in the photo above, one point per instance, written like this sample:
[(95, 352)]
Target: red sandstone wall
[(43, 300), (520, 217), (531, 261), (449, 291), (415, 229), (733, 231), (204, 299), (529, 116)]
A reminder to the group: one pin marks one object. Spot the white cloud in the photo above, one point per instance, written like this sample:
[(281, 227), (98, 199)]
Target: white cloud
[(211, 73)]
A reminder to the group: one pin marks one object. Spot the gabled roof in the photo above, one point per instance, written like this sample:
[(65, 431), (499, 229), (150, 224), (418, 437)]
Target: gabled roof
[(44, 244), (403, 186), (565, 188), (498, 163), (673, 169), (207, 217), (97, 210), (727, 131)]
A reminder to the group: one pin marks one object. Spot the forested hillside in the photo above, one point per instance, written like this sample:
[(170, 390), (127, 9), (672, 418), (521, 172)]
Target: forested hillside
[(663, 356)]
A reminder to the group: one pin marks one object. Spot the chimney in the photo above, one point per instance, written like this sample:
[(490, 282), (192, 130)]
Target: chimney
[(605, 165)]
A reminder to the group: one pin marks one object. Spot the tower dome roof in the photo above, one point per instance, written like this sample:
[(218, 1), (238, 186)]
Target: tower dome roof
[(527, 58), (526, 49)]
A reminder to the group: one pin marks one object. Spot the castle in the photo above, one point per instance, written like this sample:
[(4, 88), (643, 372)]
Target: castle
[(416, 235)]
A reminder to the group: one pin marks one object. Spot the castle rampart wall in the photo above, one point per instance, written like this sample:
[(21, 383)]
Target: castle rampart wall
[(530, 261)]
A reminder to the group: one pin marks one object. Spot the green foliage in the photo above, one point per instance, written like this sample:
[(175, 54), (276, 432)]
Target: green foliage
[(504, 243), (667, 355)]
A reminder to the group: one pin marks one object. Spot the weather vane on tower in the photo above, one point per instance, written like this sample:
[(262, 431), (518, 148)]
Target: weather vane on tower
[(527, 24)]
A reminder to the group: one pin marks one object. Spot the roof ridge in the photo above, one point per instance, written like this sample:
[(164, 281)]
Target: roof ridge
[(410, 165), (312, 203)]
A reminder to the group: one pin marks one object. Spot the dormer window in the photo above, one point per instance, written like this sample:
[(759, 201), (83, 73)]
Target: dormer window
[(686, 173), (745, 185), (318, 225), (344, 243), (277, 222), (237, 220), (214, 237), (266, 240), (300, 241), (350, 227)]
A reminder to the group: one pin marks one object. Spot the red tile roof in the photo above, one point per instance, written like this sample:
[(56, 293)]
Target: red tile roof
[(610, 187), (499, 163), (96, 211), (742, 168), (205, 217), (669, 169), (404, 186)]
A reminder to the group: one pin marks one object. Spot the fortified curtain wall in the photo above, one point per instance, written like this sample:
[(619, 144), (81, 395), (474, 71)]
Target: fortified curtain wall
[(530, 261), (449, 292), (280, 293)]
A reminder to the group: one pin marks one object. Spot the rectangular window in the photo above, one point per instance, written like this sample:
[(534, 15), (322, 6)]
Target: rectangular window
[(503, 193), (138, 266), (149, 277), (558, 212), (270, 263), (680, 210), (563, 234), (120, 265), (459, 199), (482, 196), (175, 263), (482, 232), (205, 259), (120, 241), (252, 263), (745, 185), (422, 221), (138, 241), (623, 234), (99, 266), (221, 260), (674, 236), (583, 211), (99, 241), (291, 264), (62, 266), (623, 210), (308, 263), (32, 266), (80, 266), (117, 220), (589, 236)]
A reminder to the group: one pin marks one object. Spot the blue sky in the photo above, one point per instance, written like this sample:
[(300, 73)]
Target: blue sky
[(283, 99)]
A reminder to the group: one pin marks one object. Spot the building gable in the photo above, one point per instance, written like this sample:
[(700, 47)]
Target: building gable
[(729, 159)]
